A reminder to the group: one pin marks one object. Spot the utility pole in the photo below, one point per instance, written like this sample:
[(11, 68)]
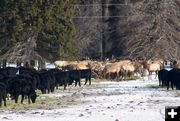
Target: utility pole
[(101, 31), (104, 8)]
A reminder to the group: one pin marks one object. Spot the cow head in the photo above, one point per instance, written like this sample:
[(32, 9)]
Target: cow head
[(33, 97)]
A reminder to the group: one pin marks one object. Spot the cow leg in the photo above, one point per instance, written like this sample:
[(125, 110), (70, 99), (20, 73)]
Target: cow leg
[(65, 85), (29, 99), (162, 83), (79, 82), (52, 88), (4, 98), (48, 90), (75, 83), (89, 80), (86, 81), (172, 86), (159, 83), (16, 98), (41, 91), (0, 101), (165, 83), (44, 91), (168, 85), (159, 80), (178, 86), (22, 98), (56, 85)]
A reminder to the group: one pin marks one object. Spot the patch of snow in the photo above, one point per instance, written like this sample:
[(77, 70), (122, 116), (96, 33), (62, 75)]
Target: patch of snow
[(137, 100)]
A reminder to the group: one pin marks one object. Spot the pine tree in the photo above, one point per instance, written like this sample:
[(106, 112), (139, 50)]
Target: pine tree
[(37, 29)]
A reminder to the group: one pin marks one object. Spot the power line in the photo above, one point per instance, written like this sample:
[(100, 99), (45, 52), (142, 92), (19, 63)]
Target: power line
[(99, 4), (118, 16), (94, 17), (113, 4), (100, 17)]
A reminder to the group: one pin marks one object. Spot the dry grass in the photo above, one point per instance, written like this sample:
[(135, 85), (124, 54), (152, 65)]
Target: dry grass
[(42, 102)]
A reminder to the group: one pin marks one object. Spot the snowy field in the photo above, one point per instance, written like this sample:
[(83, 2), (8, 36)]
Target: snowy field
[(138, 100)]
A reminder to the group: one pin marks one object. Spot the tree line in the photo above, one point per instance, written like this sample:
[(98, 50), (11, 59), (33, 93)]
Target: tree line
[(130, 28), (75, 29)]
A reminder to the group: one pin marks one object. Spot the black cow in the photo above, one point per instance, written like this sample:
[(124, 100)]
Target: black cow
[(11, 71), (174, 78), (62, 78), (27, 89), (22, 85), (53, 72), (53, 82), (8, 71), (3, 93), (86, 73), (14, 88), (163, 76), (24, 70), (32, 73), (3, 71), (47, 81), (44, 82), (169, 78), (75, 75)]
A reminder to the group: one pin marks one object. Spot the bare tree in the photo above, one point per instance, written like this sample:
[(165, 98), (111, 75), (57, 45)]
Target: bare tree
[(131, 28), (24, 51), (88, 27), (154, 29)]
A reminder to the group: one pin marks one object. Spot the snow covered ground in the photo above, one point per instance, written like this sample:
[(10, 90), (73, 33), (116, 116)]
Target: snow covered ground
[(138, 100)]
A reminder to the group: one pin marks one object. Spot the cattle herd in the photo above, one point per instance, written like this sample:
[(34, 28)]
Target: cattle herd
[(25, 81)]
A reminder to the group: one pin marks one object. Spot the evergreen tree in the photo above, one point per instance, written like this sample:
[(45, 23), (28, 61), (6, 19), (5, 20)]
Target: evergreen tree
[(37, 28)]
